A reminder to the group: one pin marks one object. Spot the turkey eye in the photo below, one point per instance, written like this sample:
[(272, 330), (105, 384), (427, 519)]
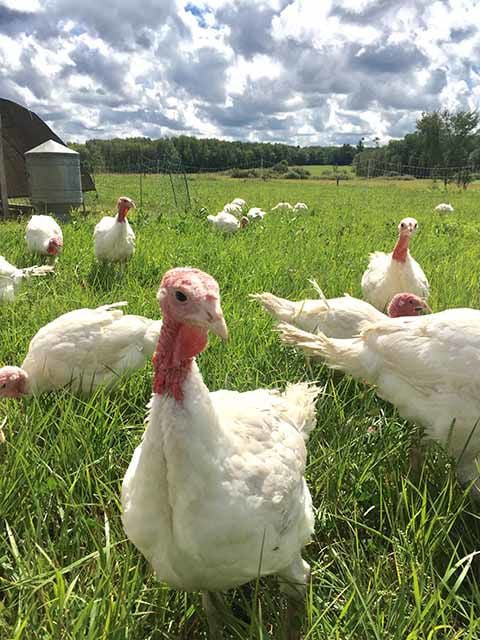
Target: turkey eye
[(180, 296)]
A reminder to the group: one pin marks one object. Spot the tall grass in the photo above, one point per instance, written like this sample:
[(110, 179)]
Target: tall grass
[(391, 559)]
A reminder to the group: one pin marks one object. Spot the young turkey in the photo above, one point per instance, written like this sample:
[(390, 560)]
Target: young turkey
[(444, 207), (233, 208), (255, 213), (227, 222), (215, 493), (113, 238), (300, 206), (44, 236), (240, 202), (391, 273), (427, 367), (282, 206), (81, 350), (337, 317), (11, 277)]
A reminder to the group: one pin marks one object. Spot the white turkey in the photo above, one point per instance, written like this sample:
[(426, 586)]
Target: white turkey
[(427, 367), (44, 236), (240, 202), (255, 213), (227, 222), (444, 207), (11, 277), (214, 494), (396, 272), (282, 206), (300, 206), (82, 350), (337, 317), (114, 238), (233, 208)]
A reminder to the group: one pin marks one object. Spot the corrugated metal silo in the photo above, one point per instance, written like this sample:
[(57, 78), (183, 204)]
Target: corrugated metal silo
[(54, 178)]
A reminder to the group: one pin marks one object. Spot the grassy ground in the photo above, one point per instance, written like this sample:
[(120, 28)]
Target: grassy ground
[(390, 560)]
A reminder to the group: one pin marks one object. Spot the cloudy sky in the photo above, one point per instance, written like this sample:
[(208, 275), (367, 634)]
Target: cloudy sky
[(297, 71)]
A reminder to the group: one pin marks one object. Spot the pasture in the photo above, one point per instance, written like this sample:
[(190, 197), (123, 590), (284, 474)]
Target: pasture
[(391, 558)]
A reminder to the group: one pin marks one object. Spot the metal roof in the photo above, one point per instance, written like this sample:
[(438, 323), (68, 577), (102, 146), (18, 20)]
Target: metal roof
[(50, 146)]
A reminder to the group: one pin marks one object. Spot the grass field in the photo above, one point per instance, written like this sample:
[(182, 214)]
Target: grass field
[(390, 560)]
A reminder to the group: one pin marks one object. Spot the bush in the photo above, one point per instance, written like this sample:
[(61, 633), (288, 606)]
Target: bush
[(243, 173), (405, 176), (280, 167), (303, 173), (330, 175)]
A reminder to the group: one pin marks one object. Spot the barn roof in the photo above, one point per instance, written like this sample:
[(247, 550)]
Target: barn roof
[(22, 130)]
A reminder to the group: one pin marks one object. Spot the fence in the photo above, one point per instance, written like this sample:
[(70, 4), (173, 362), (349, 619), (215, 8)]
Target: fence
[(460, 175)]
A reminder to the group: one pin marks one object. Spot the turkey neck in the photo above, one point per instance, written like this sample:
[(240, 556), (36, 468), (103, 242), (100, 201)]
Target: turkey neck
[(122, 215), (400, 251), (177, 347)]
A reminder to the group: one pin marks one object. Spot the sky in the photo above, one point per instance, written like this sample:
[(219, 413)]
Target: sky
[(301, 72)]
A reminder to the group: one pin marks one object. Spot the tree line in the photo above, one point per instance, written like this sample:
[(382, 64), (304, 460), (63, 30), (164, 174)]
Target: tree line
[(444, 142), (200, 154), (441, 139)]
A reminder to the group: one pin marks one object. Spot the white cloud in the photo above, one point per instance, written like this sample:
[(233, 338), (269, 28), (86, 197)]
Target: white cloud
[(302, 71)]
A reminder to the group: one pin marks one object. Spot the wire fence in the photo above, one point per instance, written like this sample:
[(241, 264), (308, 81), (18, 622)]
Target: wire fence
[(163, 186), (459, 175)]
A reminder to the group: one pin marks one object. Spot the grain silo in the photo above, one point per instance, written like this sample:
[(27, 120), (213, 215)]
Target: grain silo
[(54, 178)]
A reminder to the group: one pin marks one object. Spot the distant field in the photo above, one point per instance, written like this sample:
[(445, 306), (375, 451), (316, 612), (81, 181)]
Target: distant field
[(390, 561), (319, 169)]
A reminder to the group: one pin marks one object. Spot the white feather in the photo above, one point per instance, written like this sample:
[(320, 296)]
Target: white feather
[(240, 202), (11, 277), (40, 230), (256, 213), (443, 207), (215, 494), (426, 366), (282, 206), (113, 241), (225, 222), (385, 277), (336, 317), (86, 348), (300, 206)]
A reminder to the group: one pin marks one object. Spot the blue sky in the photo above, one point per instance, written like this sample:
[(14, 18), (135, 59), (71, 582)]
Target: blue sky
[(294, 71)]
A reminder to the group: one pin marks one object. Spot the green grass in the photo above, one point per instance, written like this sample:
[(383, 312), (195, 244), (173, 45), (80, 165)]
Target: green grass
[(390, 559)]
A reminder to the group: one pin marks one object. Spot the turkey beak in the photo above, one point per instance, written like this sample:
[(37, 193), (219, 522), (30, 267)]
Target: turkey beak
[(423, 310), (216, 322), (218, 326)]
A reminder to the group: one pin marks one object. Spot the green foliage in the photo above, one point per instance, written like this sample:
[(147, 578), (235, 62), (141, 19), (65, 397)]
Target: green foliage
[(391, 560), (442, 139), (143, 155)]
